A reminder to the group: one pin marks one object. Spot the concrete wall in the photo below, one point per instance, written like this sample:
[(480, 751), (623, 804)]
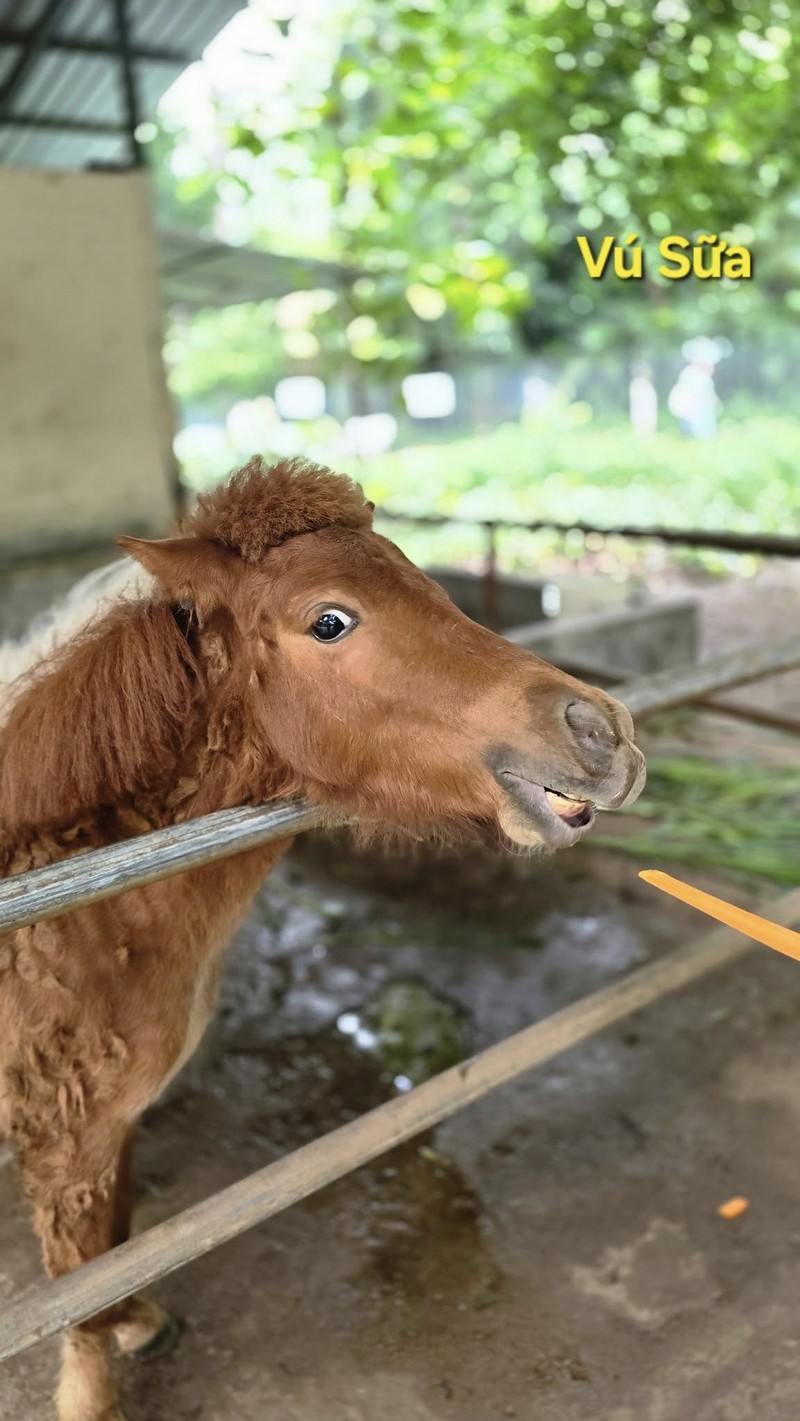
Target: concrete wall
[(85, 430), (660, 633), (517, 599), (531, 599)]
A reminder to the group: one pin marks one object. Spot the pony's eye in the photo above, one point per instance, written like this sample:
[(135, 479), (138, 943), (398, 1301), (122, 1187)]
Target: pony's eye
[(332, 624)]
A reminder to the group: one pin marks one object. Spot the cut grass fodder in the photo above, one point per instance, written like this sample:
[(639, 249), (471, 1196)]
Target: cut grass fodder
[(742, 818)]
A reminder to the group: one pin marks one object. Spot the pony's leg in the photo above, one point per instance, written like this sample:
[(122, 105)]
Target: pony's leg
[(86, 1389), (141, 1326), (73, 1192)]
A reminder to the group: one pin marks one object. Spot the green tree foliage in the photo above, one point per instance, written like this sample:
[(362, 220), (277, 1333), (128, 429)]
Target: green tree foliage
[(231, 353), (457, 148)]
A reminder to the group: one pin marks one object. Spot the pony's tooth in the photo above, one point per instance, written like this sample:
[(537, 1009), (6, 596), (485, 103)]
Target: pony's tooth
[(562, 805)]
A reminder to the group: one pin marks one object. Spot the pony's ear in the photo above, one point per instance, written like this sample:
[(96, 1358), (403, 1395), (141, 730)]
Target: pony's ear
[(193, 570)]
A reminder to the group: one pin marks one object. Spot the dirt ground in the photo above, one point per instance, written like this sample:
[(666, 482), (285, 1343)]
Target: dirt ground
[(553, 1253)]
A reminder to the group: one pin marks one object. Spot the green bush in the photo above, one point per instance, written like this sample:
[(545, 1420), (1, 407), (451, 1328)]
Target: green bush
[(745, 479), (573, 470)]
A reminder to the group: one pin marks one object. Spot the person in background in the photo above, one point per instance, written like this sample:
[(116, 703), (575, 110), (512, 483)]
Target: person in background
[(642, 399), (693, 399)]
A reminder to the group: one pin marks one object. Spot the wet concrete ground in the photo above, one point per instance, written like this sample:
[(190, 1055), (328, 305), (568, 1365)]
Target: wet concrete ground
[(553, 1252)]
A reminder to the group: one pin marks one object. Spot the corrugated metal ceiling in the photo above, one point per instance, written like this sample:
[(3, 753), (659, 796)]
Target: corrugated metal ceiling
[(198, 272), (64, 84)]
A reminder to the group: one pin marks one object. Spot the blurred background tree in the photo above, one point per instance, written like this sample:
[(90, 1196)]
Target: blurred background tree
[(449, 153), (446, 154)]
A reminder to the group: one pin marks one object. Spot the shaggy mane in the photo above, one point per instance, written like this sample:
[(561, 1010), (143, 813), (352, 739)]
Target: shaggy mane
[(108, 716), (260, 507)]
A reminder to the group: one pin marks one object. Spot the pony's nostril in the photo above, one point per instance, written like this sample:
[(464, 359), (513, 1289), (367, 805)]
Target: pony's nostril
[(590, 727)]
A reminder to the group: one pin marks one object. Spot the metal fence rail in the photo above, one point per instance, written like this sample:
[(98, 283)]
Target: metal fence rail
[(105, 872), (765, 544), (102, 873), (761, 544)]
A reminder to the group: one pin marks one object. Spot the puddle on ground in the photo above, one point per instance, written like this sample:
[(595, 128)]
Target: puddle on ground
[(414, 1033)]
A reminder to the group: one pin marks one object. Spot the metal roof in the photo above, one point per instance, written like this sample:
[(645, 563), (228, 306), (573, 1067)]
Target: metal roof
[(198, 272), (63, 72), (66, 67)]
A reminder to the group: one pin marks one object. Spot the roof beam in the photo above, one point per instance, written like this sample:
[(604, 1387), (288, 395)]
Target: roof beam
[(62, 124), (37, 39), (104, 48)]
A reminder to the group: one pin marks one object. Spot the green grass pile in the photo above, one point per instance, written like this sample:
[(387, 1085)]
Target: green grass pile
[(742, 818)]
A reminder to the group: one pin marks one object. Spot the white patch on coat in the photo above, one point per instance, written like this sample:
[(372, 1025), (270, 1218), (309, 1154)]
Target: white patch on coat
[(90, 598)]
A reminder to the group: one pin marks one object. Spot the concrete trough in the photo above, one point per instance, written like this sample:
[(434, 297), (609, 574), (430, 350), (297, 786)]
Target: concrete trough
[(659, 634), (518, 599), (594, 621)]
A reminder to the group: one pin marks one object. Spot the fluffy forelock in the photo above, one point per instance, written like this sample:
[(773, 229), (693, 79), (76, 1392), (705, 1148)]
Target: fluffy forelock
[(261, 506)]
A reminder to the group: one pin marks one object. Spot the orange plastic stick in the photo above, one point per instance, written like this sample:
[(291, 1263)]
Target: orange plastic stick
[(770, 934)]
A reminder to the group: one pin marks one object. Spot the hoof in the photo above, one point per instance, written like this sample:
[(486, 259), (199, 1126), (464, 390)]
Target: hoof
[(146, 1330), (161, 1344)]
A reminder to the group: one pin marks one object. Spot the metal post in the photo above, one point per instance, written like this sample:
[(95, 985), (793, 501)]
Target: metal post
[(491, 609), (129, 85)]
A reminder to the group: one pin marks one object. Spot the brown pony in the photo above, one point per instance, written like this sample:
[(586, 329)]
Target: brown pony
[(284, 649)]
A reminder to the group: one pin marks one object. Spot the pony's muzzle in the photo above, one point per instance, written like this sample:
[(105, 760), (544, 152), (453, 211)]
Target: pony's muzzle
[(601, 736)]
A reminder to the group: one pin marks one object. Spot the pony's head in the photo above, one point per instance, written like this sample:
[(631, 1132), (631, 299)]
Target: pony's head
[(354, 680)]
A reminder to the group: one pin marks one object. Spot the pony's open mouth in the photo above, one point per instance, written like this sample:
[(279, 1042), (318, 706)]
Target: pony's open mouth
[(541, 814), (578, 813)]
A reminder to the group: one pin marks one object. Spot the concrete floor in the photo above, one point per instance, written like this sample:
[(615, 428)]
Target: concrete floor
[(553, 1253)]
